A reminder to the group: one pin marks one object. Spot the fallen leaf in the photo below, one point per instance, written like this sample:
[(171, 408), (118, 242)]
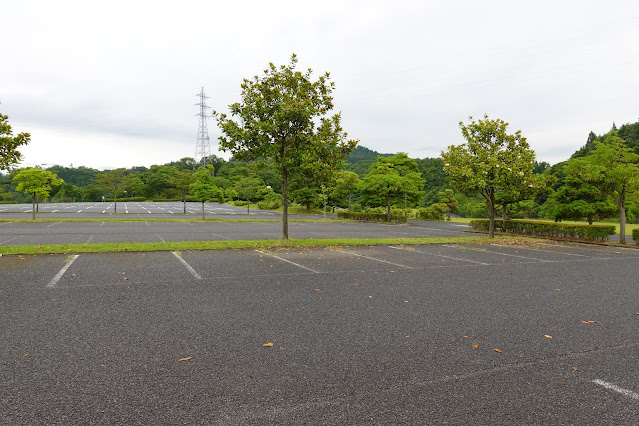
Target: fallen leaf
[(125, 279), (405, 301), (475, 346), (547, 336), (466, 337), (557, 289), (270, 300), (589, 322), (185, 359), (316, 289), (575, 368), (408, 336), (370, 297), (497, 350), (26, 355), (267, 345)]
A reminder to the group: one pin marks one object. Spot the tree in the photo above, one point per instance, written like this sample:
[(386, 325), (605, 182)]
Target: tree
[(112, 181), (577, 199), (36, 182), (390, 177), (491, 161), (282, 117), (247, 189), (446, 198), (612, 168), (182, 181), (203, 188), (9, 144), (346, 184)]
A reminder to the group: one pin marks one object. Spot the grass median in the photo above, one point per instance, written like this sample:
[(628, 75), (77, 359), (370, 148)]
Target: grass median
[(129, 247)]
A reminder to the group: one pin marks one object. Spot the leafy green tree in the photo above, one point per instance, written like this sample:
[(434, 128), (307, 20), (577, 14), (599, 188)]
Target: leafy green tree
[(391, 177), (612, 168), (346, 184), (182, 181), (577, 199), (203, 188), (247, 188), (491, 161), (133, 185), (113, 182), (282, 117), (9, 144), (36, 182), (446, 198), (70, 191)]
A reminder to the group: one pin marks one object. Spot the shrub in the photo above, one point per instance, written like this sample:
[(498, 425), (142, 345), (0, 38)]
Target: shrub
[(8, 202), (635, 235), (432, 212), (132, 199), (371, 217), (549, 229)]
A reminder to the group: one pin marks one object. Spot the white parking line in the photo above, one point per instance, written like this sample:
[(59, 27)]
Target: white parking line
[(57, 277), (90, 239), (546, 251), (443, 255), (372, 258), (187, 266), (433, 229), (287, 261), (615, 388), (49, 226), (505, 254), (161, 239), (10, 239)]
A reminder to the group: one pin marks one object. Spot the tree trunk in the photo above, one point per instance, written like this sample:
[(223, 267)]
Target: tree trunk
[(350, 196), (115, 204), (33, 207), (284, 203), (324, 209), (202, 210), (248, 206), (491, 214), (503, 212), (388, 208), (622, 218), (184, 202)]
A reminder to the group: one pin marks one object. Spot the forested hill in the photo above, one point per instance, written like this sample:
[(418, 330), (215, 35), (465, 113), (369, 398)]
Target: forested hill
[(628, 132), (361, 158)]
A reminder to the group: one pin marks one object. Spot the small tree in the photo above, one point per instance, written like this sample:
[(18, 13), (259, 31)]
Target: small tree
[(203, 188), (37, 183), (282, 117), (112, 181), (612, 168), (491, 161), (182, 181), (446, 198), (247, 189), (346, 183), (9, 144), (389, 177)]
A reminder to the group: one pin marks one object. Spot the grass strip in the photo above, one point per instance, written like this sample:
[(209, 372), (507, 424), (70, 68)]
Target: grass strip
[(129, 247)]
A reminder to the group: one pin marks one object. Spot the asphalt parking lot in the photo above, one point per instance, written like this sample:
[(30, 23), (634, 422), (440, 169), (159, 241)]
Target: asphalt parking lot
[(434, 334)]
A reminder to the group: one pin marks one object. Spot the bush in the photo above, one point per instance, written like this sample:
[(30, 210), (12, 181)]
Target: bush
[(635, 235), (8, 202), (371, 217), (432, 212), (132, 199), (549, 229)]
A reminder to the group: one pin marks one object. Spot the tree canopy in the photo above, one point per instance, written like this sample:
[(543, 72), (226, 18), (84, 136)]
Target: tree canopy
[(283, 117), (36, 182), (9, 144), (491, 161)]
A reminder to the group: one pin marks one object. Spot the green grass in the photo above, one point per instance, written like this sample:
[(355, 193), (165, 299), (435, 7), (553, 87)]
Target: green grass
[(224, 245)]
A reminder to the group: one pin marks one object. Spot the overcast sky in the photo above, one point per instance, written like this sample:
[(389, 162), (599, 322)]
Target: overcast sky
[(113, 84)]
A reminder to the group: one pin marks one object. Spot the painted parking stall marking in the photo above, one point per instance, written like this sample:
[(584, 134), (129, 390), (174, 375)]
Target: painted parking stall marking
[(187, 266), (287, 261), (442, 255), (618, 389), (375, 259), (60, 273)]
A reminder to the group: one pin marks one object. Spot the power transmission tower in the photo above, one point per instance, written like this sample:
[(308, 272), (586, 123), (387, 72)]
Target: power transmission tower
[(203, 146)]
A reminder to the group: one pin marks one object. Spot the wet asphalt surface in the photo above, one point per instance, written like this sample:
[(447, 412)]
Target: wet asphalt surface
[(360, 335)]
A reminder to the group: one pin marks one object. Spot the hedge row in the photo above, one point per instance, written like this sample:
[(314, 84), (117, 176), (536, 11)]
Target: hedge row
[(549, 229), (371, 217), (8, 202), (635, 235)]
